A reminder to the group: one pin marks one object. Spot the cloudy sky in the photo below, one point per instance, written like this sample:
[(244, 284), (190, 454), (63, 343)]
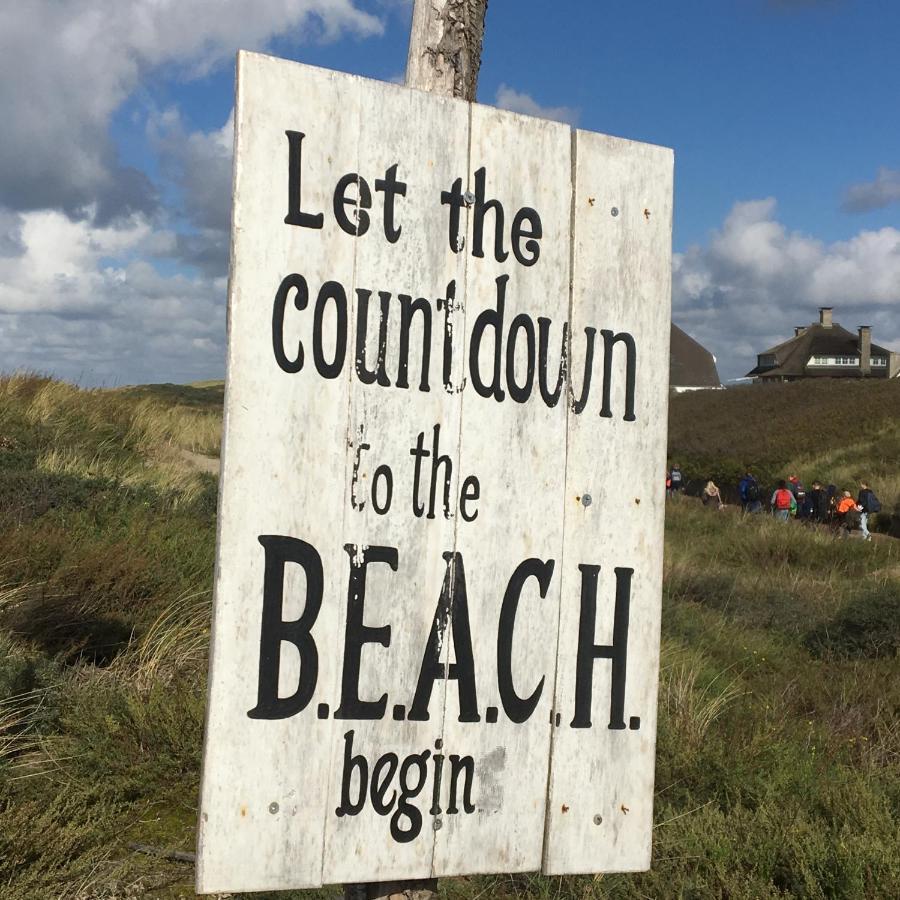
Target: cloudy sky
[(115, 157)]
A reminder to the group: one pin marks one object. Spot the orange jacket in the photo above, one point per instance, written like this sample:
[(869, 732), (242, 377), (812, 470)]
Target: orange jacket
[(845, 505)]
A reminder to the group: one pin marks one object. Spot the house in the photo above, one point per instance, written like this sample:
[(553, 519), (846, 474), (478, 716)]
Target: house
[(826, 350), (691, 366)]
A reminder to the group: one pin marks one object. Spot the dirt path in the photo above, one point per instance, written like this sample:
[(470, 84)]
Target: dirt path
[(209, 464)]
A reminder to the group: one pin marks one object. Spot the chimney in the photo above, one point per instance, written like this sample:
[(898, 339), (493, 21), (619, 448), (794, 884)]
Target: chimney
[(865, 349), (825, 316), (798, 330)]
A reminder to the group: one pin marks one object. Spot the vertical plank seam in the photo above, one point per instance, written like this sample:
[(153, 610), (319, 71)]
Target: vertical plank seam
[(462, 291), (565, 484), (348, 474)]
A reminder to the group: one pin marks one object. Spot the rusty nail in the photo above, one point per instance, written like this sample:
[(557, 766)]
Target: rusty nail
[(624, 809), (565, 808), (646, 213), (590, 201)]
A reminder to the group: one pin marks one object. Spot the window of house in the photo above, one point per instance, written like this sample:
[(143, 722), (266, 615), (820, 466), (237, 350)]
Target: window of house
[(767, 359), (878, 361), (834, 361)]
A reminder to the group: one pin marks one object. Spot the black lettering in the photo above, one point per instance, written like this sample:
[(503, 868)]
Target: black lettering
[(409, 791), (449, 305), (521, 322), (609, 342), (418, 453), (439, 460), (352, 764), (454, 199), (362, 333), (489, 318), (382, 775), (274, 631), (297, 283), (526, 214), (331, 290), (588, 651), (517, 708), (357, 634), (453, 597), (461, 765), (471, 490), (382, 473), (295, 215), (481, 207), (360, 204), (579, 404), (408, 308), (551, 398), (391, 188)]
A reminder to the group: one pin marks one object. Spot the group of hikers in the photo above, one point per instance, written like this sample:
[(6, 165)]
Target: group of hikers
[(821, 504)]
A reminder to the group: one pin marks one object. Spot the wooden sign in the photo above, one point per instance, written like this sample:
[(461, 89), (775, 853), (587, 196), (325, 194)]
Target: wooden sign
[(436, 625)]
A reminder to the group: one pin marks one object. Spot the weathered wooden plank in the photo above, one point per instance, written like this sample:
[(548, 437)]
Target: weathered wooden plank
[(414, 749), (264, 789), (600, 805), (426, 138), (515, 446)]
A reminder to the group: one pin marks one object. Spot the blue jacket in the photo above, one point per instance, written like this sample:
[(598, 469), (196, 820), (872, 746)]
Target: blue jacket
[(745, 483)]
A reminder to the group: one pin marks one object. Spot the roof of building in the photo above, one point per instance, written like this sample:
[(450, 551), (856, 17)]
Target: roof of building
[(792, 355), (690, 363)]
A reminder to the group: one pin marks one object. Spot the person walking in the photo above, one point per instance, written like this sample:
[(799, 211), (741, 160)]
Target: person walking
[(847, 514), (711, 495), (751, 498), (781, 502), (867, 503), (676, 480), (818, 503)]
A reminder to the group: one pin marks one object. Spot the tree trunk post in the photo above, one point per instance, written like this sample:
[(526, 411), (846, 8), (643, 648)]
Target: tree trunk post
[(444, 58)]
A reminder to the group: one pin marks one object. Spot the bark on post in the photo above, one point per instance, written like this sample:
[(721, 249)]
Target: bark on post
[(444, 58), (445, 46)]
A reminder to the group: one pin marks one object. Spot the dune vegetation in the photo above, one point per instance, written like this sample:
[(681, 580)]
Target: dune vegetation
[(836, 431), (778, 770)]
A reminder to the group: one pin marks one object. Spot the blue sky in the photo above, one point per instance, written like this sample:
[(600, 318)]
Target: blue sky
[(115, 162)]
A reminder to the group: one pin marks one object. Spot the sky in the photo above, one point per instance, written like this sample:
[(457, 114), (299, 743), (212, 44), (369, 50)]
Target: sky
[(115, 157)]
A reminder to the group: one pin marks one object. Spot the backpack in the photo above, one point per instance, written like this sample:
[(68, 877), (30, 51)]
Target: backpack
[(676, 476), (784, 499), (752, 492)]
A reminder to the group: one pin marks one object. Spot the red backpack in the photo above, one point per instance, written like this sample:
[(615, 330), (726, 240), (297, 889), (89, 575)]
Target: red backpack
[(783, 498)]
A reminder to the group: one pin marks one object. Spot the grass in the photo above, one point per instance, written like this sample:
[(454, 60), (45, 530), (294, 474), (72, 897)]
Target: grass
[(836, 431), (778, 767)]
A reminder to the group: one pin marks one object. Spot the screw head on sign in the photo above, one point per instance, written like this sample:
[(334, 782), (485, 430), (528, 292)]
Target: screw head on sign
[(436, 824), (586, 500), (598, 820), (469, 198), (273, 808), (614, 211)]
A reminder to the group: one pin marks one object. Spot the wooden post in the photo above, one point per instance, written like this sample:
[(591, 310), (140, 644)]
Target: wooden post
[(445, 46), (444, 58)]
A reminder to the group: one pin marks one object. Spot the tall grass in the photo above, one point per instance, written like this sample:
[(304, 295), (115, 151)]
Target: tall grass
[(778, 763)]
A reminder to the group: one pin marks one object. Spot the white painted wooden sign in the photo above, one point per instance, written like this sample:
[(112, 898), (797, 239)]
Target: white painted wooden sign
[(436, 632)]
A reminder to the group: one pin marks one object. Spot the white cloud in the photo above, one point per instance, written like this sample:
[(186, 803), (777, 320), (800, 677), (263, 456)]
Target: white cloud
[(746, 289), (877, 194), (81, 302), (66, 67), (516, 101)]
